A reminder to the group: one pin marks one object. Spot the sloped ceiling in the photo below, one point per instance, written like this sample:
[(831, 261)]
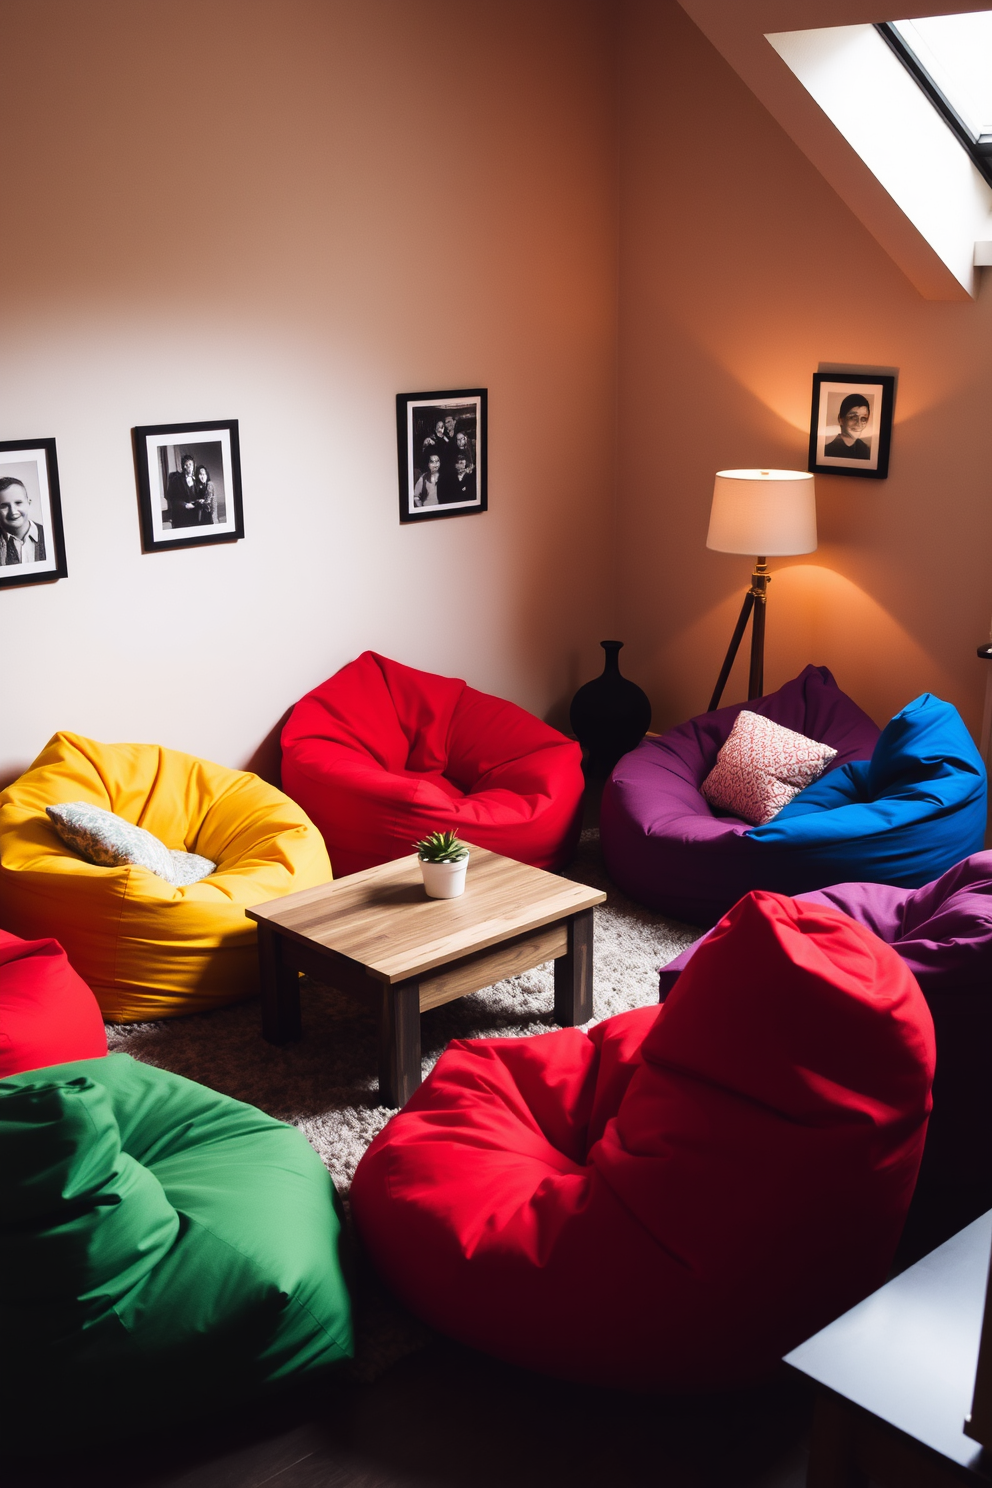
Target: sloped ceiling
[(739, 30)]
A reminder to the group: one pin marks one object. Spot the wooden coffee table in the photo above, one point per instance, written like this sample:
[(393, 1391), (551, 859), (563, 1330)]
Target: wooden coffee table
[(377, 936)]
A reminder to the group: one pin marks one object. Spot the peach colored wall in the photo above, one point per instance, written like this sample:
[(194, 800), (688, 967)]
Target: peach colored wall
[(741, 270), (287, 213)]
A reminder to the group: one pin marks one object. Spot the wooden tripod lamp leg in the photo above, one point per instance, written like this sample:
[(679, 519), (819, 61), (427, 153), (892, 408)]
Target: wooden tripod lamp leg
[(732, 650), (754, 600)]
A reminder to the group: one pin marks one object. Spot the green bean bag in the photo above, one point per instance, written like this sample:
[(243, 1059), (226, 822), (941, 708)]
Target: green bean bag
[(164, 1251)]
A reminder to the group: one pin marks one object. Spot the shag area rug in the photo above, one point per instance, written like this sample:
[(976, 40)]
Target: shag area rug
[(326, 1084)]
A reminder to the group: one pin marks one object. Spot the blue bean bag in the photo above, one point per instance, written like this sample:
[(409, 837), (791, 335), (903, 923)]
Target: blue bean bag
[(900, 807), (905, 816)]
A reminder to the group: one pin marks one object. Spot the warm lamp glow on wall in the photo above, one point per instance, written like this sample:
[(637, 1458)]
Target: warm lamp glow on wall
[(766, 512)]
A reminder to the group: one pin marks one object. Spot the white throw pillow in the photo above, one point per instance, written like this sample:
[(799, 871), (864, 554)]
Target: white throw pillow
[(761, 767), (109, 841)]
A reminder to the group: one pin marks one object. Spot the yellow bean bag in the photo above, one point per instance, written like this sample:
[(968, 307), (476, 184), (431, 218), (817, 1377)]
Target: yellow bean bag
[(147, 949)]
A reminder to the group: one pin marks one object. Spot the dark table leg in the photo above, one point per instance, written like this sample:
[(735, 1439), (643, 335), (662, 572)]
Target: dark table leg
[(280, 987), (851, 1448), (833, 1447), (573, 973), (399, 1043)]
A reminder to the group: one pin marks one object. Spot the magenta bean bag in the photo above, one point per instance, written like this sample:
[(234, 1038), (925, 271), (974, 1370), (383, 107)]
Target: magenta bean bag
[(898, 807), (943, 932)]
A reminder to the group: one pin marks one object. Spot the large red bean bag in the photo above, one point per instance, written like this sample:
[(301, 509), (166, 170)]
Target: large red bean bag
[(48, 1015), (674, 1200), (380, 754)]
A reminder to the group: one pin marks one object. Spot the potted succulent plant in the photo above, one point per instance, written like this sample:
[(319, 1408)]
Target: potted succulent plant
[(443, 861)]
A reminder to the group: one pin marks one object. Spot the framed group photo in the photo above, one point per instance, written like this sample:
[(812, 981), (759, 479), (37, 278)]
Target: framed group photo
[(441, 449), (850, 426), (32, 546), (189, 484)]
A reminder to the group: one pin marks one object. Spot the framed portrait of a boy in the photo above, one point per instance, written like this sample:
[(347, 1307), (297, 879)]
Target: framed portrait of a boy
[(850, 426), (32, 547), (189, 484), (441, 452)]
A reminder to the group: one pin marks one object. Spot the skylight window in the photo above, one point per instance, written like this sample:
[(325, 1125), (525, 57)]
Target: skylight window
[(950, 57), (850, 98)]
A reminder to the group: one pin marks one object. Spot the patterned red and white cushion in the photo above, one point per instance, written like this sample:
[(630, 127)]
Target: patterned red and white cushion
[(761, 767)]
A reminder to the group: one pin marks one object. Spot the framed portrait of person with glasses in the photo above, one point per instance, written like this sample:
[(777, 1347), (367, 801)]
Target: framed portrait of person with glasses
[(851, 424)]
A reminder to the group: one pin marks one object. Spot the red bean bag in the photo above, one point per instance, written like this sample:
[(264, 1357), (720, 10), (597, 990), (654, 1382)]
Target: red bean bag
[(674, 1200), (48, 1015), (381, 754)]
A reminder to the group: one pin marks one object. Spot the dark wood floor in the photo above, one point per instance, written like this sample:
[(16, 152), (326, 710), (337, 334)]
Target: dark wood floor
[(454, 1419), (450, 1418)]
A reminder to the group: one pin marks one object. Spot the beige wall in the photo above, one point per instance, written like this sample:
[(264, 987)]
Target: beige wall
[(741, 271), (287, 213)]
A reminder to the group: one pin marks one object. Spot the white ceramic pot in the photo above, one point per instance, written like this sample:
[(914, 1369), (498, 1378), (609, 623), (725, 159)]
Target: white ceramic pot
[(444, 880)]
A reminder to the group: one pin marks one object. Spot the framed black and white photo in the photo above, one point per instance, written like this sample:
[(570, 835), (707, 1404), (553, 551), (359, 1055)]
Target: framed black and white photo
[(850, 426), (441, 445), (189, 484), (32, 547)]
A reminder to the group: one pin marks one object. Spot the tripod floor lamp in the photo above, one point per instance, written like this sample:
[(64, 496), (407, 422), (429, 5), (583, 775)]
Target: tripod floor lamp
[(771, 512)]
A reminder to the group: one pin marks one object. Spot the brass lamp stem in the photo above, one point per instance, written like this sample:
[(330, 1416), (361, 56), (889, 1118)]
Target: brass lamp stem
[(760, 578)]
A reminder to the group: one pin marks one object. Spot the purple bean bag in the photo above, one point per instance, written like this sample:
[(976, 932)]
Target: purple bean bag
[(662, 842), (943, 931)]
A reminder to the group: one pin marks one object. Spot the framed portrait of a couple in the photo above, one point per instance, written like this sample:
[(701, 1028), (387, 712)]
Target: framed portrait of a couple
[(32, 547), (850, 427), (441, 447), (189, 484)]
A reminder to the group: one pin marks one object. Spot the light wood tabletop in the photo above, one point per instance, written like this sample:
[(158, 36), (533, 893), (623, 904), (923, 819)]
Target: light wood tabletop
[(383, 919), (378, 936)]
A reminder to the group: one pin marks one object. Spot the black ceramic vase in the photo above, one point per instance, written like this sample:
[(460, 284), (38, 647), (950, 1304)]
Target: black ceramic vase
[(609, 715)]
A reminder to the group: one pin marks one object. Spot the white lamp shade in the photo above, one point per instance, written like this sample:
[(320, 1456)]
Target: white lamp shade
[(765, 513)]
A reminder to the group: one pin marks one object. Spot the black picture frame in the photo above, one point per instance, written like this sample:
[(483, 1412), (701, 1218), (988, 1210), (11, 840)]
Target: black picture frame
[(419, 444), (201, 515), (31, 466), (831, 392)]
